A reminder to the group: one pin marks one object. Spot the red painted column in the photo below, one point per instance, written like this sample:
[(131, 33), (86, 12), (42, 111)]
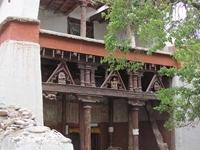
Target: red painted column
[(81, 126), (84, 4), (135, 125), (130, 129), (87, 120), (110, 128)]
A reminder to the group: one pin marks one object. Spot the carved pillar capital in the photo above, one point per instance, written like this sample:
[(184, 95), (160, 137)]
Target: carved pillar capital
[(81, 66), (88, 99), (83, 3), (85, 98), (136, 102)]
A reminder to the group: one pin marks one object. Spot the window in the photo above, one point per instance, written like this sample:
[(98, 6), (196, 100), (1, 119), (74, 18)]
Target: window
[(74, 27)]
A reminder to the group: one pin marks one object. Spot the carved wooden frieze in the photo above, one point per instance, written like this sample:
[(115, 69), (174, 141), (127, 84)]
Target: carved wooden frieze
[(120, 111), (100, 113), (52, 112), (61, 75), (72, 112), (155, 84), (71, 97), (114, 81)]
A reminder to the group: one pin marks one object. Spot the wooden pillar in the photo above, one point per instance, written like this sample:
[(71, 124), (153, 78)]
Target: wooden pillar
[(130, 129), (110, 128), (82, 74), (93, 83), (135, 125), (87, 121), (81, 126), (84, 4), (140, 81), (87, 75), (135, 82), (64, 114), (130, 81)]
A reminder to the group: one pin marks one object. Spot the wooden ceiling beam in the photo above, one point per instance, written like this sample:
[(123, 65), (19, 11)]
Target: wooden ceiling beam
[(49, 5), (62, 6), (96, 91), (98, 16), (71, 9)]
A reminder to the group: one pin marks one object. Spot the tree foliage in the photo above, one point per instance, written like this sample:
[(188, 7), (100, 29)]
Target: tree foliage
[(158, 22)]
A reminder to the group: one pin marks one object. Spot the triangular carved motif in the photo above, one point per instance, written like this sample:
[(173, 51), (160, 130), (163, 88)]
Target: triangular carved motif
[(114, 81), (155, 84), (61, 75)]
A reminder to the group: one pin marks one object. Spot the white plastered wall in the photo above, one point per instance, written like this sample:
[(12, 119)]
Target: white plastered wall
[(58, 22), (20, 76), (19, 8), (186, 138), (20, 69), (51, 21)]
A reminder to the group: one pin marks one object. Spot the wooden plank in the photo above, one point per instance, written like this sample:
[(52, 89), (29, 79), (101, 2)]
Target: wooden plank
[(158, 136), (71, 9), (95, 91), (98, 16), (62, 6), (49, 5)]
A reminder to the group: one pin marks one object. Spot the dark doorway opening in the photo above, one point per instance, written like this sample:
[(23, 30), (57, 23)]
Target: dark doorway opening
[(95, 141)]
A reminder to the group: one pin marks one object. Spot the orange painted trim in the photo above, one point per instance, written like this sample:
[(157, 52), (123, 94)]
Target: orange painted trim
[(20, 31), (98, 49)]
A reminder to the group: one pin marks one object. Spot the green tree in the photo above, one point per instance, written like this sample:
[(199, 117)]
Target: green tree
[(157, 22)]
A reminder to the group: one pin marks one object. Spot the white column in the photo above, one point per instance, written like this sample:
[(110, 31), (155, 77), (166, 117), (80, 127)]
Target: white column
[(20, 76)]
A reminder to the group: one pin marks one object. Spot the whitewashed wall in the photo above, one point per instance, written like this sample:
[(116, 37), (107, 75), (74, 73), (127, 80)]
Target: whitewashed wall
[(20, 76), (19, 8), (51, 21), (186, 138), (58, 22)]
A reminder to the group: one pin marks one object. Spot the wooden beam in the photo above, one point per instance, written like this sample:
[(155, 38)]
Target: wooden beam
[(85, 46), (62, 6), (49, 5), (71, 9), (98, 16), (96, 91)]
